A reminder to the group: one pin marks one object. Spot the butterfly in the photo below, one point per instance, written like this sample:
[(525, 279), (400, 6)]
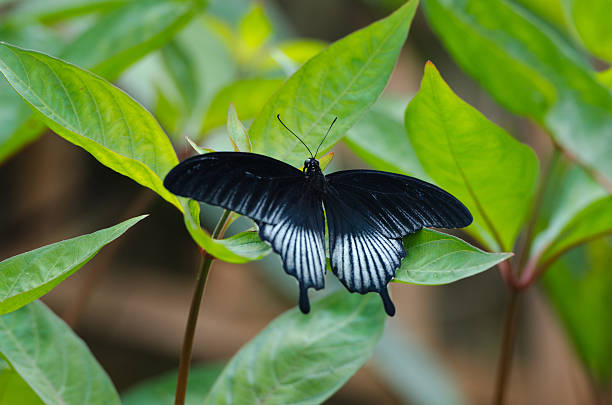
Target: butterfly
[(367, 213)]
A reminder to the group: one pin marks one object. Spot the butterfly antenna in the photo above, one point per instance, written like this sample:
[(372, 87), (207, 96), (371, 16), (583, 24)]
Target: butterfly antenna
[(293, 133), (329, 129)]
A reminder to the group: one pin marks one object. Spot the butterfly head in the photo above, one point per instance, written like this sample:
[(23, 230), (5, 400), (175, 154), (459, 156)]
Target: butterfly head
[(311, 166)]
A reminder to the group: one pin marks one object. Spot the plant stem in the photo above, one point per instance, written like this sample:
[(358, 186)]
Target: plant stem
[(185, 359), (505, 357)]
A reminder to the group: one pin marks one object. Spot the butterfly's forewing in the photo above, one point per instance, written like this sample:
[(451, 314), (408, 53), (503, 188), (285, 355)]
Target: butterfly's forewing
[(250, 184), (397, 205), (274, 194), (367, 214)]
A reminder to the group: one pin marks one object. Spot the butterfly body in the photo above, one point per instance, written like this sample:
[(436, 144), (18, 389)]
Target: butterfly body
[(367, 213)]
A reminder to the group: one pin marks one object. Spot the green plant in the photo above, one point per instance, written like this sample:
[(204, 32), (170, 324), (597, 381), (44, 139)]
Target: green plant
[(525, 221)]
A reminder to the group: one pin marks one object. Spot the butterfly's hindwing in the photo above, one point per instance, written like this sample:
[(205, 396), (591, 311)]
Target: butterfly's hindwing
[(247, 183), (299, 239), (398, 205), (361, 257)]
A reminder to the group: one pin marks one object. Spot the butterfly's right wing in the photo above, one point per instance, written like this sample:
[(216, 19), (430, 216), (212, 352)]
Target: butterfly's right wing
[(250, 184), (274, 194)]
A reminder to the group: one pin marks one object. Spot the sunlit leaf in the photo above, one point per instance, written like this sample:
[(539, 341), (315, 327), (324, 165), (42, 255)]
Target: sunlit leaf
[(254, 30), (296, 358), (591, 19), (92, 114), (237, 132), (531, 70), (248, 95), (342, 81), (52, 359), (28, 276), (437, 258), (472, 158), (160, 390)]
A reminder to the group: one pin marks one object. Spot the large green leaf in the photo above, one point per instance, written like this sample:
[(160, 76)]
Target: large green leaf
[(473, 159), (532, 70), (248, 95), (52, 360), (379, 138), (344, 80), (160, 390), (580, 286), (437, 258), (112, 44), (93, 114), (583, 211), (128, 33), (303, 358), (28, 276), (591, 19)]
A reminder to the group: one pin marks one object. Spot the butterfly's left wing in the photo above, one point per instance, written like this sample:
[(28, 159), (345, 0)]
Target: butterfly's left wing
[(368, 212)]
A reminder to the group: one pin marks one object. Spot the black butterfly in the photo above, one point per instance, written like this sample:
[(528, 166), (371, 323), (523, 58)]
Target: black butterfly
[(368, 212)]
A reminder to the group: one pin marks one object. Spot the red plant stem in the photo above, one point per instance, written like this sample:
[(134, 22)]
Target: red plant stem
[(196, 301), (505, 357)]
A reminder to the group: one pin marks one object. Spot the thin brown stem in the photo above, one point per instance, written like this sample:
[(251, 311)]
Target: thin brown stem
[(505, 357), (196, 301)]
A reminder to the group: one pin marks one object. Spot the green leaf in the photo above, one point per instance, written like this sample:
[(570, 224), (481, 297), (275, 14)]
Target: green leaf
[(583, 211), (591, 19), (14, 390), (301, 358), (580, 287), (254, 30), (248, 95), (247, 244), (19, 126), (93, 114), (237, 133), (298, 51), (533, 71), (181, 69), (28, 276), (125, 35), (342, 81), (57, 10), (52, 360), (160, 390), (240, 248), (605, 78), (380, 139), (472, 158), (437, 258)]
